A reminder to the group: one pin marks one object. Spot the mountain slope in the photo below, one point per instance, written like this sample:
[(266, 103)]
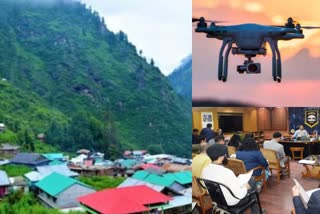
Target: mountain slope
[(181, 78), (63, 52)]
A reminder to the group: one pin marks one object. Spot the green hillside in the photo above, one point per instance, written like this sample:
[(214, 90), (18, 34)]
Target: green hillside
[(181, 79), (90, 86)]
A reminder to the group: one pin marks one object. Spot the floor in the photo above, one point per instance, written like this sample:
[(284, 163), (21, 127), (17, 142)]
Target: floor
[(277, 199)]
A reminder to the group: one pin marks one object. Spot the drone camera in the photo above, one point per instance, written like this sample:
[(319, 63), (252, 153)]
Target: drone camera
[(253, 68), (249, 68)]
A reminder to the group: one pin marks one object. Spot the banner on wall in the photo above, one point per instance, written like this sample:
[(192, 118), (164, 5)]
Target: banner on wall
[(206, 117), (311, 118)]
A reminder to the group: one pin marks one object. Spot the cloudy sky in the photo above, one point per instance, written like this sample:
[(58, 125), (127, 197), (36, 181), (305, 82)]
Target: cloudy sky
[(160, 28), (300, 58)]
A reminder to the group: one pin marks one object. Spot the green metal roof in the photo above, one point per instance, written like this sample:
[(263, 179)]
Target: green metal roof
[(128, 163), (183, 177), (159, 180), (140, 175), (53, 156), (55, 183), (56, 162)]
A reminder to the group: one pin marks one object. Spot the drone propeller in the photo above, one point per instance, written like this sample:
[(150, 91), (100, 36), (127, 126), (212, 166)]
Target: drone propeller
[(294, 24), (202, 19)]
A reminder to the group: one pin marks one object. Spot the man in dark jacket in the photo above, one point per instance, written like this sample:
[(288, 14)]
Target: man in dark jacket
[(208, 132), (313, 203), (195, 136)]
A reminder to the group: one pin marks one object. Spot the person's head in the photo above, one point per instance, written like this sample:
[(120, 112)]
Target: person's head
[(249, 144), (202, 139), (195, 132), (209, 125), (219, 131), (235, 140), (276, 136), (301, 127), (218, 154), (219, 139), (203, 147)]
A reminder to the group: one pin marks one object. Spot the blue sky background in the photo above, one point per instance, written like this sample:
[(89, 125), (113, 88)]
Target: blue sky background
[(162, 29)]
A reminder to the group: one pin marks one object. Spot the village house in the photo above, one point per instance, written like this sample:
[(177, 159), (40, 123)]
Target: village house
[(2, 127), (29, 159), (124, 200), (8, 149), (59, 191), (4, 183), (43, 171)]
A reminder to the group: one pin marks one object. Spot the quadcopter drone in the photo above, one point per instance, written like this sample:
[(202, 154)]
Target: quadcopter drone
[(250, 40)]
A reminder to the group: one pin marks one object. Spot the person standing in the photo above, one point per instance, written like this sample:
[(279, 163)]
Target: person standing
[(208, 132)]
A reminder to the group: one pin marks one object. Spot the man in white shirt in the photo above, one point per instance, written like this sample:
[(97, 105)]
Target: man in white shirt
[(218, 173), (276, 146), (300, 133)]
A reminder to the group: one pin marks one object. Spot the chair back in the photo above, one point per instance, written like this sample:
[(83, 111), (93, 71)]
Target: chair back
[(237, 166), (272, 158), (215, 192), (231, 150), (196, 188)]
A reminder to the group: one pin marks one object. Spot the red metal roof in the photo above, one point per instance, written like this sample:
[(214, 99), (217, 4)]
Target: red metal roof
[(150, 165), (122, 200)]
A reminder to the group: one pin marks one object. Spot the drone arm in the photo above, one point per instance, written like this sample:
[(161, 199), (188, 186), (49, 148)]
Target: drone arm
[(278, 60), (220, 66), (226, 57), (274, 60)]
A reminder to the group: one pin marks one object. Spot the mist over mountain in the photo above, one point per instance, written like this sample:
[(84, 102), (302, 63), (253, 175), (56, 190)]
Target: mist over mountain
[(105, 95), (181, 78)]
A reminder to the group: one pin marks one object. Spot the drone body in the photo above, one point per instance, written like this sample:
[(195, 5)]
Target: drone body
[(250, 40)]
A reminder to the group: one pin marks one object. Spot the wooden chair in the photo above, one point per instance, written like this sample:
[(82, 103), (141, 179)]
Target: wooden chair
[(297, 149), (238, 167), (274, 162), (201, 196), (231, 150)]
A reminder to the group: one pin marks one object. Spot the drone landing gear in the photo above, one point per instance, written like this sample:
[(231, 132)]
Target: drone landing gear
[(223, 63), (276, 60)]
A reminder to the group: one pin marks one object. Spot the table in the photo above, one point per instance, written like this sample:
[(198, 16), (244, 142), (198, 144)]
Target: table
[(312, 167), (310, 147)]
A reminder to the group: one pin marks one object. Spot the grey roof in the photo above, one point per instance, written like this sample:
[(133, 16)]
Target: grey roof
[(4, 179), (33, 176), (29, 158), (61, 169), (6, 146), (135, 182)]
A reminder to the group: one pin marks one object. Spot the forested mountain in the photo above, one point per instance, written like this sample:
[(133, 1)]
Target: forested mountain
[(181, 78), (91, 86)]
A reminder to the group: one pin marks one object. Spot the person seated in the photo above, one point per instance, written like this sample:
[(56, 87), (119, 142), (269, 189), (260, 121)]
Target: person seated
[(235, 141), (301, 133), (219, 132), (208, 132), (216, 171), (251, 155), (274, 145), (200, 161), (313, 206), (195, 135), (248, 135)]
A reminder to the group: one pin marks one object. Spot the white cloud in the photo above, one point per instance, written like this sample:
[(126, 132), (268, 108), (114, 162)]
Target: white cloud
[(162, 29)]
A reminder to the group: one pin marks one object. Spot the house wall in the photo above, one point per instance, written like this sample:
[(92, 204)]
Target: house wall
[(68, 198)]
